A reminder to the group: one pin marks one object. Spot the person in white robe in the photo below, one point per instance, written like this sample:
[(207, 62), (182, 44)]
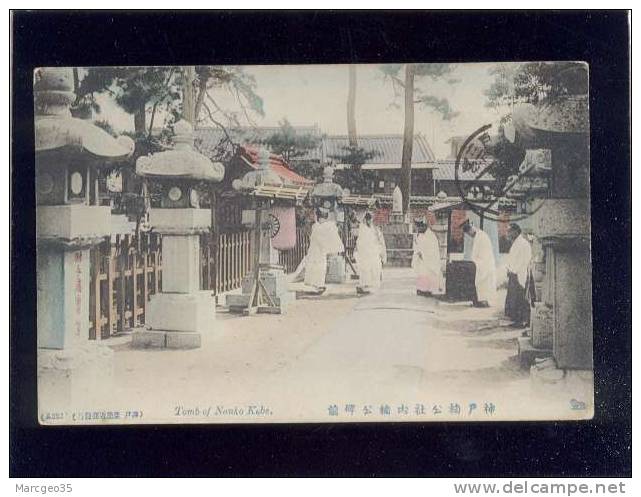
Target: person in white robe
[(483, 258), (324, 240), (383, 247), (368, 256), (517, 307), (426, 261)]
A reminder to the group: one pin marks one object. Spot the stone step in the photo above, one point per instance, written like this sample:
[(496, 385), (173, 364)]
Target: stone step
[(528, 353)]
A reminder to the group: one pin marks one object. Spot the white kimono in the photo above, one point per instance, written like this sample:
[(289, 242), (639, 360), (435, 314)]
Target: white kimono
[(483, 258), (519, 257), (324, 240), (426, 262), (382, 244), (368, 256)]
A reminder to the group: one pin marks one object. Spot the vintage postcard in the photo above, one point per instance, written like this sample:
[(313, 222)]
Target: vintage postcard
[(313, 243)]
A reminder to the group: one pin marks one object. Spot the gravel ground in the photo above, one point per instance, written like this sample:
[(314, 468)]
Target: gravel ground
[(390, 355)]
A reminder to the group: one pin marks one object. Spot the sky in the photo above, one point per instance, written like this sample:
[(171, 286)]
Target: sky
[(317, 94)]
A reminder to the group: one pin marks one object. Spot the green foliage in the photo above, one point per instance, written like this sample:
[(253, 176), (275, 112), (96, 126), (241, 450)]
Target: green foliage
[(506, 158), (440, 105), (133, 88), (435, 72), (236, 81), (149, 85), (309, 169), (353, 176), (391, 70), (129, 86), (355, 156), (106, 125), (536, 82), (288, 143)]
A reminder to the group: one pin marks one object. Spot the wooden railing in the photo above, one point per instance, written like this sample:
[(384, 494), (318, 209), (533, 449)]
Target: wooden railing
[(349, 241), (124, 274), (290, 259), (126, 271), (225, 259)]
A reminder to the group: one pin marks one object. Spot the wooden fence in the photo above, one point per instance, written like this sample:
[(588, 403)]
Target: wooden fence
[(290, 259), (124, 274), (126, 271), (225, 259)]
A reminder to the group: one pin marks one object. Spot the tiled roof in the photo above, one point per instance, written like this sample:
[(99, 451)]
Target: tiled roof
[(388, 148), (444, 171)]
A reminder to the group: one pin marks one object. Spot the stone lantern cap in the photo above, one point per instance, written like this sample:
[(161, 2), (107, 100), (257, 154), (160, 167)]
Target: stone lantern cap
[(328, 188), (183, 162), (58, 132), (570, 115), (55, 128)]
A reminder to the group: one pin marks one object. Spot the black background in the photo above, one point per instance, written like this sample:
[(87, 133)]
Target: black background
[(601, 447)]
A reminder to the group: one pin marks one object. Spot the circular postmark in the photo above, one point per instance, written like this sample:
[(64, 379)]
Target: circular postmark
[(483, 191)]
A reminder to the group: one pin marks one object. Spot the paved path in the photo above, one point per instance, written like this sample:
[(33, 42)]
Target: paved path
[(391, 348), (395, 347)]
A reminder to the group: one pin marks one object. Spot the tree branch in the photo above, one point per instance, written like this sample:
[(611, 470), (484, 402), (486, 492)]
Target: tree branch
[(200, 98), (220, 125), (211, 99), (251, 123), (157, 102)]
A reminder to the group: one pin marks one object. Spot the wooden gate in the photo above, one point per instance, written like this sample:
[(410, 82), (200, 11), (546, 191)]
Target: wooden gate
[(124, 274)]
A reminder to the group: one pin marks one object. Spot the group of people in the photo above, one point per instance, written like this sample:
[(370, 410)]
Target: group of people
[(516, 269), (371, 255)]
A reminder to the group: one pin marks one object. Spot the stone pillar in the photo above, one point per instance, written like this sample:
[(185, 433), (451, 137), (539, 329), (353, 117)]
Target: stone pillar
[(398, 235), (397, 216), (179, 315), (564, 229), (68, 362)]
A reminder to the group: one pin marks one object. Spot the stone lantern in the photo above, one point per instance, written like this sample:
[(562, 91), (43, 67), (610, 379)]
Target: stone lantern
[(327, 193), (562, 320), (181, 313), (69, 220), (265, 288)]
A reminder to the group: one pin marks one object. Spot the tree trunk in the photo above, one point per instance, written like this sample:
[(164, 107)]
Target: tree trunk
[(189, 75), (140, 120), (408, 138), (351, 107), (76, 81), (200, 98)]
